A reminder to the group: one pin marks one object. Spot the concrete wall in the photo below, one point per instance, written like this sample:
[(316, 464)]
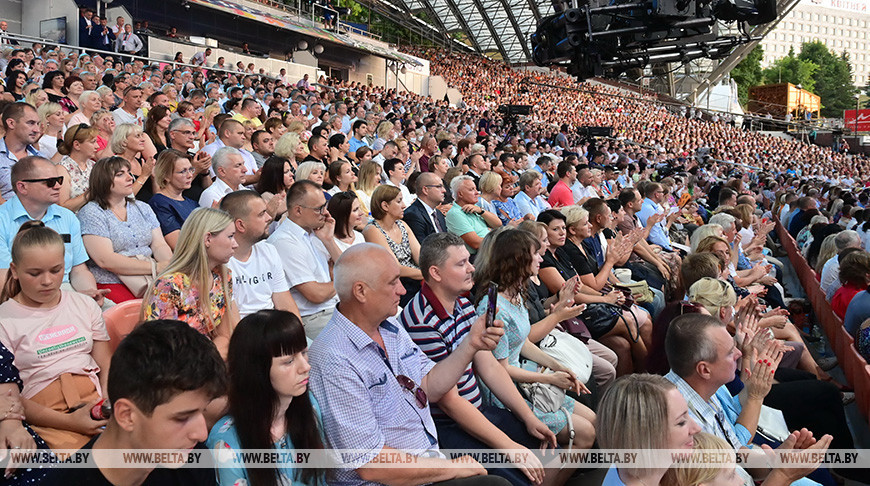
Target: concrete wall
[(33, 11), (165, 50), (12, 15)]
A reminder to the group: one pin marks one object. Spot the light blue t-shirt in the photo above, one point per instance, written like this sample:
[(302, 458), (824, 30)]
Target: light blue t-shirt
[(58, 218), (223, 438)]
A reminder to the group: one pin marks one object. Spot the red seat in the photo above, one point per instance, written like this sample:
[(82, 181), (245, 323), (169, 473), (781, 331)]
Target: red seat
[(121, 319)]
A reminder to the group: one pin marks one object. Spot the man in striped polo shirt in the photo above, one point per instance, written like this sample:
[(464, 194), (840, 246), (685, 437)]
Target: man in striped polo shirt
[(437, 319)]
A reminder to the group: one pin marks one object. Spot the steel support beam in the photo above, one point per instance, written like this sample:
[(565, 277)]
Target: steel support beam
[(451, 4), (729, 63), (488, 22), (520, 35)]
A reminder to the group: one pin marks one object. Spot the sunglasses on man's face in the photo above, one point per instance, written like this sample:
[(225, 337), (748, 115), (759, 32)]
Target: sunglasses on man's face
[(48, 181)]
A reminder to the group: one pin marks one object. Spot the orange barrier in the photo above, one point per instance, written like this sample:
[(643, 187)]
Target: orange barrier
[(854, 366)]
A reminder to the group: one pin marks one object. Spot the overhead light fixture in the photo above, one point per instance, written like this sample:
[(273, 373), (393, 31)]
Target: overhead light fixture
[(318, 49), (302, 45)]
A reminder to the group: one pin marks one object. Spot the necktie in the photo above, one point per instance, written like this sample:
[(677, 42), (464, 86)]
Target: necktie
[(438, 227)]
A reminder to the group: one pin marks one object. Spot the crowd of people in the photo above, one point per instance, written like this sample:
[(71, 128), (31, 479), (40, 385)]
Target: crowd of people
[(371, 270)]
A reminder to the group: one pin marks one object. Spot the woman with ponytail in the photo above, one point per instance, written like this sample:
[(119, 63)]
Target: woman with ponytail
[(58, 338)]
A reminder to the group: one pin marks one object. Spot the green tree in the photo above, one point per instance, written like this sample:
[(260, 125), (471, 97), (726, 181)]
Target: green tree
[(833, 80), (748, 73), (792, 69)]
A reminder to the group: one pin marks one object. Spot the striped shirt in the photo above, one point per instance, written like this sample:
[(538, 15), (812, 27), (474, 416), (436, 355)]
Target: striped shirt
[(438, 333)]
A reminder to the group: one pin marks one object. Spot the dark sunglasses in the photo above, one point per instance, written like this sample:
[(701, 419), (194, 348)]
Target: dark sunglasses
[(48, 181), (419, 394), (76, 130)]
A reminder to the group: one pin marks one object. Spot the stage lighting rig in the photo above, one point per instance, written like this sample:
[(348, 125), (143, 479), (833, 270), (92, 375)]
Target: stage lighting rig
[(607, 40)]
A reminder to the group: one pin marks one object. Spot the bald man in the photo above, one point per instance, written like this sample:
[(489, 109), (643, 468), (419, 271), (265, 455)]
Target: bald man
[(374, 384)]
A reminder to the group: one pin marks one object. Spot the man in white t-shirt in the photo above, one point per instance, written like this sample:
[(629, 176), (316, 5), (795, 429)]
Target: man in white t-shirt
[(258, 279), (201, 57)]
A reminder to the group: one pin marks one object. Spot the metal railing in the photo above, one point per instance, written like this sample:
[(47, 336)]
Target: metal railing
[(119, 55)]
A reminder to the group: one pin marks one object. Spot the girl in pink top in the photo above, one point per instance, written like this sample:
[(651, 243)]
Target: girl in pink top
[(58, 338)]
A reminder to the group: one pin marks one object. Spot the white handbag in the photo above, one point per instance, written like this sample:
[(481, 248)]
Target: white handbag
[(570, 352)]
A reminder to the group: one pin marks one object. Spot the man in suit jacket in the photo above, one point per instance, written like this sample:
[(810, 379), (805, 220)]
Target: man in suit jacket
[(422, 216), (86, 28)]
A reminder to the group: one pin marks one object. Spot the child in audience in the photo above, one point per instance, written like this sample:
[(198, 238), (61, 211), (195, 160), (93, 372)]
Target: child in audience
[(58, 338)]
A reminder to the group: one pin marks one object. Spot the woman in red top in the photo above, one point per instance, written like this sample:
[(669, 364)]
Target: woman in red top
[(855, 276)]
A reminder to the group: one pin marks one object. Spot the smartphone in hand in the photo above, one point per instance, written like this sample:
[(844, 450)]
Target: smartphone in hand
[(492, 299)]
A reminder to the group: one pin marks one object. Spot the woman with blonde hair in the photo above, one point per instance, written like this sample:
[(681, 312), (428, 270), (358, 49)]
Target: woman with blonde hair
[(719, 465), (196, 287), (703, 232), (89, 103), (383, 134), (104, 122), (388, 230), (645, 412), (36, 98), (296, 127), (131, 144), (290, 148), (369, 179), (718, 298), (490, 188), (79, 151), (51, 119), (827, 251)]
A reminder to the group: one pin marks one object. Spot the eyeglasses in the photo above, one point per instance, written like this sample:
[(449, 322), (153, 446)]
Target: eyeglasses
[(185, 132), (419, 394), (319, 209), (188, 170), (48, 181), (434, 185)]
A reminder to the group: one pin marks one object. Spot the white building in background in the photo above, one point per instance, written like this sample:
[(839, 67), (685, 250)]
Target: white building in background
[(842, 25)]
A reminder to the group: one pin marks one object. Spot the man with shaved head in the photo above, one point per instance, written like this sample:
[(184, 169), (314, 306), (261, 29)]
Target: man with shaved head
[(375, 385)]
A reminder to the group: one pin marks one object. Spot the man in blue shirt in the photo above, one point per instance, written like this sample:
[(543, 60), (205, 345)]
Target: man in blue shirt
[(360, 130), (703, 358), (374, 385), (21, 123), (654, 194), (37, 187), (529, 199)]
